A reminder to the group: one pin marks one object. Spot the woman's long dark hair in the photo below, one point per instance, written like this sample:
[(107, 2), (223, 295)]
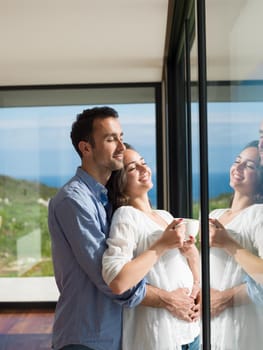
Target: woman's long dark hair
[(116, 185), (259, 191)]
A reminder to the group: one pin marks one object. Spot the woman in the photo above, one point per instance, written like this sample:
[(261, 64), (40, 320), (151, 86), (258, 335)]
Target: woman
[(237, 322), (134, 230)]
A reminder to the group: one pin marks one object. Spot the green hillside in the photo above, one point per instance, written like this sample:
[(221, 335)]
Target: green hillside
[(23, 213)]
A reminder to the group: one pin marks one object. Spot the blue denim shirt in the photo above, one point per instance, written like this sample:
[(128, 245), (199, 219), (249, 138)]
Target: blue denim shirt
[(87, 312), (255, 290)]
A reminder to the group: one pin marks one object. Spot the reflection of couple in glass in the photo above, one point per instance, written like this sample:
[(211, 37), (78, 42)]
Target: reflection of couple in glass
[(236, 264)]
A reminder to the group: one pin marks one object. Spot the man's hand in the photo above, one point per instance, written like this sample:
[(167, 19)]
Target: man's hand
[(179, 304), (221, 300)]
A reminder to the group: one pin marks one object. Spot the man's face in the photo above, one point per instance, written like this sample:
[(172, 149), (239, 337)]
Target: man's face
[(260, 142), (107, 153)]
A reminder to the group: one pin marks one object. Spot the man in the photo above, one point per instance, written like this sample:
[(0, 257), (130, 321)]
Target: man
[(260, 142), (88, 315)]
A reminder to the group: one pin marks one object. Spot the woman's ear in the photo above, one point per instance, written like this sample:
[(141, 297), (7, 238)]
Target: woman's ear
[(84, 147)]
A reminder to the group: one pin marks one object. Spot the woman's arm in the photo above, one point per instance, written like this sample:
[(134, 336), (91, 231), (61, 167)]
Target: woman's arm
[(252, 264), (192, 255), (131, 272)]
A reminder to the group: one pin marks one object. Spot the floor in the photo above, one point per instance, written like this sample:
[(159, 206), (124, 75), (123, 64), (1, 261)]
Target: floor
[(26, 329)]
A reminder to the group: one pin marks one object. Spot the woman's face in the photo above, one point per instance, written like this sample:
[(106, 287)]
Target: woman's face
[(138, 174), (244, 171)]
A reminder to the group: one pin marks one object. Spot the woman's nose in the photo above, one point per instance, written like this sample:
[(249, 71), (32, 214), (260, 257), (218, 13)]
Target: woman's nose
[(142, 167), (240, 166)]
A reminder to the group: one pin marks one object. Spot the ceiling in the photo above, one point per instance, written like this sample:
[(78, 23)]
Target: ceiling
[(119, 41), (233, 48), (81, 41)]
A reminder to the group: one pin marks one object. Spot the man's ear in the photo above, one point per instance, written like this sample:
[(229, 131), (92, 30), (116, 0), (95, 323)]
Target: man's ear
[(84, 146)]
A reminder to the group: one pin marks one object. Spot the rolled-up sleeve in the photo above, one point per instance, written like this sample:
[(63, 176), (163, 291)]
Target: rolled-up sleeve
[(119, 251), (254, 290)]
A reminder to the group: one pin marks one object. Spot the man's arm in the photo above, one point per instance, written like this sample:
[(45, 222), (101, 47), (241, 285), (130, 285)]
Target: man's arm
[(177, 302), (221, 300)]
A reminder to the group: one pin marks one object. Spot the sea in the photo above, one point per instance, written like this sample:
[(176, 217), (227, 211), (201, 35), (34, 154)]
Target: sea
[(218, 184)]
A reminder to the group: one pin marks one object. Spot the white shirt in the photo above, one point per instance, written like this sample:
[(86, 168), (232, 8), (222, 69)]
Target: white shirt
[(146, 328), (238, 327)]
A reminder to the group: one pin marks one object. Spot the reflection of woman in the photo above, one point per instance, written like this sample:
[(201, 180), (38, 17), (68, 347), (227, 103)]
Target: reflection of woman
[(135, 227), (255, 290), (237, 322)]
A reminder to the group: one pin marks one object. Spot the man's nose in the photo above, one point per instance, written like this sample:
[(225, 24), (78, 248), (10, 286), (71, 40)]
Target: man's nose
[(121, 145)]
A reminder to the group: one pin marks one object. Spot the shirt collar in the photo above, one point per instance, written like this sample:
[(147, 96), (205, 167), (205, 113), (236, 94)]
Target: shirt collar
[(97, 188)]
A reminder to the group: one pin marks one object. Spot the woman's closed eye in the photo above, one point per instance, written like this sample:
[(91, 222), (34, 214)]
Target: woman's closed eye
[(237, 161), (131, 168), (251, 165), (247, 164), (135, 165)]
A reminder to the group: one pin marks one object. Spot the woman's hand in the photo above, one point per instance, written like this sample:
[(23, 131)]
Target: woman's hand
[(220, 238), (218, 235), (196, 295), (173, 235)]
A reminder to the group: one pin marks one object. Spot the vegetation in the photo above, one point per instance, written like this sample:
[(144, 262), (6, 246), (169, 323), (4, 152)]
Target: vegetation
[(23, 211), (23, 215), (221, 201)]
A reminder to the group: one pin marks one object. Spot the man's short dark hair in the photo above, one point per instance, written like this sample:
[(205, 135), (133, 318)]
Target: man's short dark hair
[(82, 128)]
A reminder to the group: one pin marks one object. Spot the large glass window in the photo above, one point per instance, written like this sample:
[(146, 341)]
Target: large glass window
[(235, 113), (37, 158)]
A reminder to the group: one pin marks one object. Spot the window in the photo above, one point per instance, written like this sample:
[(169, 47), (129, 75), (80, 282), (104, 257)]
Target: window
[(37, 158), (235, 106)]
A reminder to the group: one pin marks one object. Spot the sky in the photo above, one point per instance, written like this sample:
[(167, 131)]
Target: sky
[(35, 140)]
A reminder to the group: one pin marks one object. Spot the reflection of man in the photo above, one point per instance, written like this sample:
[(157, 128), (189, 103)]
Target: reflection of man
[(260, 142)]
